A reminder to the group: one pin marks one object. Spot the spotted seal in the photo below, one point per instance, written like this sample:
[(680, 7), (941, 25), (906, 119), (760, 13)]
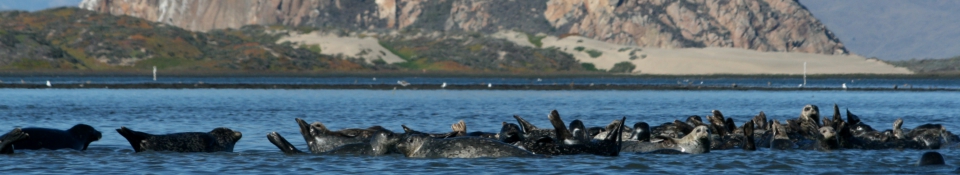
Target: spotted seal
[(809, 122), (217, 140), (696, 142), (7, 140), (77, 137), (422, 146), (320, 139), (380, 143)]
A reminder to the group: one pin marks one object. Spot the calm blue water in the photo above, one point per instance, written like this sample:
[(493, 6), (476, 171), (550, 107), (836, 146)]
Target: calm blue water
[(257, 112), (692, 80)]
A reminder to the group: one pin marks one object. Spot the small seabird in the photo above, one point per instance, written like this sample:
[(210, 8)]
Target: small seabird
[(489, 85), (800, 85), (403, 83), (539, 80), (701, 82), (374, 78), (844, 85), (48, 84), (444, 85)]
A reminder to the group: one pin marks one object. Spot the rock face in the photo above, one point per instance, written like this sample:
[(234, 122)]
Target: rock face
[(764, 25)]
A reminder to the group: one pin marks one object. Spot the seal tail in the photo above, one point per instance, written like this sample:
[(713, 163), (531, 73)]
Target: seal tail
[(134, 137), (561, 129), (7, 140), (524, 124), (460, 128), (282, 143), (617, 137)]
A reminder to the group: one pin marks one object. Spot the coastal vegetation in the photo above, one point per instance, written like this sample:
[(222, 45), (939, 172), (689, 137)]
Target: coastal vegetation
[(72, 39)]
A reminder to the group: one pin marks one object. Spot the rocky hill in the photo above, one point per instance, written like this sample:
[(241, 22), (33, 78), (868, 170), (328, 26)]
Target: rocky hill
[(762, 25)]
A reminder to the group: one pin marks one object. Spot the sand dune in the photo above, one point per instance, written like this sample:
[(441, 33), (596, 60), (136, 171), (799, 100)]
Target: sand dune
[(648, 60), (332, 44), (709, 60)]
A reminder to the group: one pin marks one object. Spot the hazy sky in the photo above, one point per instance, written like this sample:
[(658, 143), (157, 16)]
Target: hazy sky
[(33, 5)]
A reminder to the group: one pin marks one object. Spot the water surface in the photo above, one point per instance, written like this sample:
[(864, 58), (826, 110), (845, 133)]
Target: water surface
[(257, 112)]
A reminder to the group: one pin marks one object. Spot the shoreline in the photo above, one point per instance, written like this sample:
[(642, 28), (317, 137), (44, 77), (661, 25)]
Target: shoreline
[(452, 87), (448, 74)]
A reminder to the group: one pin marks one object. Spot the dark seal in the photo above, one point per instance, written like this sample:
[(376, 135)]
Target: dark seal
[(931, 158), (320, 139), (78, 138), (219, 139), (380, 143), (8, 139)]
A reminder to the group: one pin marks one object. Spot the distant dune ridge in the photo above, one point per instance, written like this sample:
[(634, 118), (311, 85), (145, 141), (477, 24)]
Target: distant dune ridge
[(672, 37)]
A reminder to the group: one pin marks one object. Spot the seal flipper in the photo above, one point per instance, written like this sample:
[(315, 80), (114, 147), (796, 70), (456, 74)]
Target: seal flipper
[(134, 137), (749, 144), (282, 143), (560, 128), (852, 119), (525, 126), (7, 140)]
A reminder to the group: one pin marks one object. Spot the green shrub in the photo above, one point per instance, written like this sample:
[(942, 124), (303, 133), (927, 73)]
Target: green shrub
[(579, 48), (589, 66), (536, 40), (313, 47), (594, 53), (623, 67)]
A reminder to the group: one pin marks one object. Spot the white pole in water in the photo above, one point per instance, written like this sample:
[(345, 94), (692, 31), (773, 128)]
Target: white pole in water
[(154, 73), (804, 73)]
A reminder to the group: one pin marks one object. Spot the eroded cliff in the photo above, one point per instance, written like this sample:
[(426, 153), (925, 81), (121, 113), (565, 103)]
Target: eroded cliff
[(763, 25)]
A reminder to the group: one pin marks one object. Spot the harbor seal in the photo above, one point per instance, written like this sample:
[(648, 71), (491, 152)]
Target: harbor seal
[(217, 140), (380, 143), (320, 139), (809, 122), (421, 146), (697, 142), (77, 137), (931, 158), (641, 132), (8, 139)]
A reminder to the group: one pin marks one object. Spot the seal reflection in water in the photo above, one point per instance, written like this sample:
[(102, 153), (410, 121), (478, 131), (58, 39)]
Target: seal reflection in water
[(219, 139), (77, 137), (8, 139), (422, 146)]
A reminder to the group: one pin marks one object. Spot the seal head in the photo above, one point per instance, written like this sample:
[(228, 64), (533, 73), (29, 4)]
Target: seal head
[(931, 158)]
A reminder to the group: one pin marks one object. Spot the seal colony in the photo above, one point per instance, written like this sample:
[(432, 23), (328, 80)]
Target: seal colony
[(809, 131)]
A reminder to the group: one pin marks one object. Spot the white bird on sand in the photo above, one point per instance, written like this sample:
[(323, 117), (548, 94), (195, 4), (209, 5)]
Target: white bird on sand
[(489, 85), (48, 84), (844, 85), (403, 83), (444, 85)]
